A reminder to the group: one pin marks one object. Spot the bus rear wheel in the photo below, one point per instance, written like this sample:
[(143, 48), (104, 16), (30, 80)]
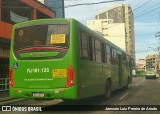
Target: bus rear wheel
[(107, 94)]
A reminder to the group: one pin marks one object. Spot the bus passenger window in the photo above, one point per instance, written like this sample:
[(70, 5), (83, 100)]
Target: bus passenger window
[(91, 48), (127, 60), (124, 59), (98, 51), (104, 54), (115, 56), (112, 56), (84, 46), (37, 42), (108, 54)]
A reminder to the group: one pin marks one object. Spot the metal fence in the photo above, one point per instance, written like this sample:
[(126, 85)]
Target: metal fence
[(4, 84)]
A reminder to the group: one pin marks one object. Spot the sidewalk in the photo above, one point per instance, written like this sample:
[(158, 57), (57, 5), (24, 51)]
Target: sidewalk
[(6, 100), (4, 95)]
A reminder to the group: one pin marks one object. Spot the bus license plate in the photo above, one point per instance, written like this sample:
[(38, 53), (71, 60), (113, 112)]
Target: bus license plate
[(38, 94)]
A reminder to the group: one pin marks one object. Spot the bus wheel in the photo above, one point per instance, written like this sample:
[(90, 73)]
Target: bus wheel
[(107, 94), (128, 81)]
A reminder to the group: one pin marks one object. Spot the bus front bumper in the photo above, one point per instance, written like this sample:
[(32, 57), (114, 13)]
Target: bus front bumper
[(150, 76)]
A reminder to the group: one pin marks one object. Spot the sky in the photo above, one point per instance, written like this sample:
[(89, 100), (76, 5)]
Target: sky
[(146, 20)]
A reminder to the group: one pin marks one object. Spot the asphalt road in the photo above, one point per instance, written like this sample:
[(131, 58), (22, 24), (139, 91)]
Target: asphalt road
[(141, 92)]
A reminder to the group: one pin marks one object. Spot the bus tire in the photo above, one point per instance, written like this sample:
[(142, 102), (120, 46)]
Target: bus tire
[(128, 81), (107, 94)]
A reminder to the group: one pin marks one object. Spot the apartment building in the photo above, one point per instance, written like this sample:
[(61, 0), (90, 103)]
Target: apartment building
[(152, 60), (109, 30), (141, 65), (118, 18)]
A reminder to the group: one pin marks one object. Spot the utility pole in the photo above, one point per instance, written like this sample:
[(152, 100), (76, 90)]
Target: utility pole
[(159, 54), (158, 36)]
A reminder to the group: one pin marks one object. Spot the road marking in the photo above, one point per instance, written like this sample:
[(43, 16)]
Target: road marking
[(124, 95), (141, 82)]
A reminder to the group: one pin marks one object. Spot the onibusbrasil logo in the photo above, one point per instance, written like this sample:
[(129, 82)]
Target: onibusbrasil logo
[(21, 108)]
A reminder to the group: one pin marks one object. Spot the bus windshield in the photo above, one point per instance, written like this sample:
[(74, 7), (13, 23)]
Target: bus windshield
[(54, 35)]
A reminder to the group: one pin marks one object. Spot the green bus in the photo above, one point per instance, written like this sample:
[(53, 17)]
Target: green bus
[(63, 59), (151, 72)]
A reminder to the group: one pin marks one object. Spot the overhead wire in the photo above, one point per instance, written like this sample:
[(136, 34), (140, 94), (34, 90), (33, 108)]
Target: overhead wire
[(145, 51), (158, 22), (135, 17), (150, 47), (126, 15), (157, 27), (147, 12), (92, 3), (107, 2), (73, 5), (142, 5)]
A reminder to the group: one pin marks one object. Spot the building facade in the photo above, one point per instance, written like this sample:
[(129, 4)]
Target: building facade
[(121, 14), (12, 12), (109, 30), (141, 65), (152, 60), (57, 6)]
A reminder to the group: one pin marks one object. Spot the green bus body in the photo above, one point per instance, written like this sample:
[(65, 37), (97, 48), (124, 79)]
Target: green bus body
[(151, 72), (64, 66)]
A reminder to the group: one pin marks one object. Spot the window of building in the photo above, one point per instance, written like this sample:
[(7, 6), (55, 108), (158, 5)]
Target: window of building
[(13, 15), (96, 16)]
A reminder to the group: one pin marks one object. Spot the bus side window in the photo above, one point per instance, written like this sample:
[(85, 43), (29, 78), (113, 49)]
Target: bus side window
[(98, 51), (80, 45), (108, 54), (113, 56), (103, 53), (127, 61), (124, 60), (91, 48), (83, 43)]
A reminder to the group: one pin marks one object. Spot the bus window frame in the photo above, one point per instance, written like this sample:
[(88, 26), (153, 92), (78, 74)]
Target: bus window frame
[(47, 24), (82, 47), (98, 50)]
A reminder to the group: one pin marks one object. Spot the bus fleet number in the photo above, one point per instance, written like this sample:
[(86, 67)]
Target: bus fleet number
[(37, 70)]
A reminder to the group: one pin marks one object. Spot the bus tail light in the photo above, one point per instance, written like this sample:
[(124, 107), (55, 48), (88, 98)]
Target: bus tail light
[(70, 77), (11, 80)]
